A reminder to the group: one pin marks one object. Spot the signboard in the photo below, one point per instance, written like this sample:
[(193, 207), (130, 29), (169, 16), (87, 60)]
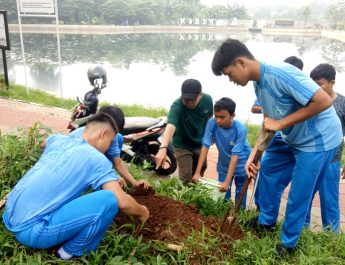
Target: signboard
[(4, 37), (41, 7), (284, 23)]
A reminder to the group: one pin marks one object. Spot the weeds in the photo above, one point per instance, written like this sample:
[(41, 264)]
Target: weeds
[(18, 154)]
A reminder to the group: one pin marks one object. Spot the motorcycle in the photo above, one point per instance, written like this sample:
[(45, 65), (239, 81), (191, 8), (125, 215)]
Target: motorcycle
[(141, 134), (142, 139), (89, 104)]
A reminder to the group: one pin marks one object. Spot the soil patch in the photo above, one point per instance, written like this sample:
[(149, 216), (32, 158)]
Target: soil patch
[(172, 221)]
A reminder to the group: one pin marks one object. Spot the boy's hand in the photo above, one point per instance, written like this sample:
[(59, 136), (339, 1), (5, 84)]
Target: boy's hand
[(224, 186), (145, 214), (143, 183), (272, 125), (122, 183), (196, 177), (252, 169), (161, 157), (343, 173)]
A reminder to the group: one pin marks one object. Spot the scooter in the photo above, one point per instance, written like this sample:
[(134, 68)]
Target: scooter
[(142, 139), (89, 104)]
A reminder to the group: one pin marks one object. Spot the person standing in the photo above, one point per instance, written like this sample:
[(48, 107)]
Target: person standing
[(295, 105), (324, 75), (187, 120), (230, 137)]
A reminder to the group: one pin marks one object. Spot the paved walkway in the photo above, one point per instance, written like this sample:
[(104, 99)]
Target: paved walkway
[(316, 223), (17, 114)]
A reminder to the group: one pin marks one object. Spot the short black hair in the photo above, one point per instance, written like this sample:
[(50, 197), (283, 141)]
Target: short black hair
[(323, 70), (103, 118), (116, 113), (295, 61), (229, 50), (225, 104)]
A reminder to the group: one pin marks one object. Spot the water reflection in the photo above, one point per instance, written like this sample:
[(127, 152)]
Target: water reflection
[(148, 69)]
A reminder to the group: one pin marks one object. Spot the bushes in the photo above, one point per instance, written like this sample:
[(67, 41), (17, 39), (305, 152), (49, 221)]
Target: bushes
[(18, 153)]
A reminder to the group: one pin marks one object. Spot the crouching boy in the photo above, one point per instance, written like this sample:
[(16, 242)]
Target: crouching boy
[(46, 208)]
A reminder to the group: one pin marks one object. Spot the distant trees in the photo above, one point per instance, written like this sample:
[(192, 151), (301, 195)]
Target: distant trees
[(133, 12), (336, 13)]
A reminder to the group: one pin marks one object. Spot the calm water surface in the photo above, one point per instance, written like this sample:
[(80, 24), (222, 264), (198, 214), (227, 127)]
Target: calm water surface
[(148, 69)]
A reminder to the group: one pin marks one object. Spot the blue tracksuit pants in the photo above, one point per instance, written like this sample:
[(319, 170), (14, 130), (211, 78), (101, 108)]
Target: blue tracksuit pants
[(280, 164), (329, 198), (239, 181), (79, 225)]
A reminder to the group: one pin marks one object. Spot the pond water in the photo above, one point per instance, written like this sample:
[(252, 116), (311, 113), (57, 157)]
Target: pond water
[(148, 69)]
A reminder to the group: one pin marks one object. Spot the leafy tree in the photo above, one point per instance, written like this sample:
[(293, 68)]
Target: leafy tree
[(336, 13)]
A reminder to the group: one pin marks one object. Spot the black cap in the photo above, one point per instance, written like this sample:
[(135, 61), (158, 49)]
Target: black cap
[(190, 89)]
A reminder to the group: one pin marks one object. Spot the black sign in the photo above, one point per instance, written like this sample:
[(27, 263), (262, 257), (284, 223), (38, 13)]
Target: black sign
[(4, 36)]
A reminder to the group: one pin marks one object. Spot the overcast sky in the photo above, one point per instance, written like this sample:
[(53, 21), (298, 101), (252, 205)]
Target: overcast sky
[(251, 3)]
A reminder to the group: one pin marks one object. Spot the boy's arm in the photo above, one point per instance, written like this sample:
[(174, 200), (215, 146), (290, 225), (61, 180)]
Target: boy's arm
[(231, 169), (250, 167), (202, 158), (167, 136), (44, 144), (318, 103), (256, 109), (127, 204), (123, 171)]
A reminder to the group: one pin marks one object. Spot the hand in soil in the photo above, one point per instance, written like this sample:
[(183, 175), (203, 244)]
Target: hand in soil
[(141, 190), (145, 214), (143, 183)]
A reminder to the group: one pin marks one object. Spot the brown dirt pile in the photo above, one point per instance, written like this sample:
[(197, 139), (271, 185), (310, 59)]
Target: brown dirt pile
[(171, 221)]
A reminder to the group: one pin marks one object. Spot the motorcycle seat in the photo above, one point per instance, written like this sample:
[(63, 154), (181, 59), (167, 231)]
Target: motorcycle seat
[(138, 124)]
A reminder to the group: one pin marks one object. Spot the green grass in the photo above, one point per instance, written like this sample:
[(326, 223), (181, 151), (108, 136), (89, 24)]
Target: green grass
[(19, 152), (44, 98)]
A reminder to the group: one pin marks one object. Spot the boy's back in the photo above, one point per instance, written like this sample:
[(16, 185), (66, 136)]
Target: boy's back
[(283, 90)]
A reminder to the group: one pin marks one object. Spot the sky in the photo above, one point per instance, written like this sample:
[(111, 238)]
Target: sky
[(251, 3)]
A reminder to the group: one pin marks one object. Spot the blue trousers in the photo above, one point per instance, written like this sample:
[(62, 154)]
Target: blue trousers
[(79, 225), (306, 170), (329, 198), (239, 181), (277, 146)]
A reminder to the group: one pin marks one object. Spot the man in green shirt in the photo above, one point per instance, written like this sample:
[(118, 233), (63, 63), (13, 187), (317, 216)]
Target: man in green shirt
[(186, 124)]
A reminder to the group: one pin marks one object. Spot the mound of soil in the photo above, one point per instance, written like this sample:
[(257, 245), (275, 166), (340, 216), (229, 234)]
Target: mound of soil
[(172, 221)]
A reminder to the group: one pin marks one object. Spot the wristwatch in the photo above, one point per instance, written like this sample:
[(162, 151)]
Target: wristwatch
[(163, 147)]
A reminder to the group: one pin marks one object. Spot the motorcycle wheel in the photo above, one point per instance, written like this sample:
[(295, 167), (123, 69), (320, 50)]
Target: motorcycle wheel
[(170, 164)]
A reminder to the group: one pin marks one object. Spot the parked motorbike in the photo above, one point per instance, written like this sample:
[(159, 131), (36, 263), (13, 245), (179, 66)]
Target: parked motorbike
[(141, 134), (142, 139), (88, 105)]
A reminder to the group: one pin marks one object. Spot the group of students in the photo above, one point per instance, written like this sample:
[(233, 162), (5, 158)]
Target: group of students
[(48, 207), (305, 151)]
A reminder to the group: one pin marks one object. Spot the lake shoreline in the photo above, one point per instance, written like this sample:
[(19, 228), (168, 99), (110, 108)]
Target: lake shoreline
[(144, 29)]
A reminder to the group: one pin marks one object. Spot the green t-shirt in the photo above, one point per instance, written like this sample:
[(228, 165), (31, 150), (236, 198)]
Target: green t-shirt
[(190, 123)]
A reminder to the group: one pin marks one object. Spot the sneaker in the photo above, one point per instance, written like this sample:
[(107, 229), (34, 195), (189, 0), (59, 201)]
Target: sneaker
[(254, 224), (282, 251)]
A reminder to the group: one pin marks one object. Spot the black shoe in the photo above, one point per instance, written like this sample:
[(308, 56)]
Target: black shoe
[(258, 208), (282, 251), (254, 224)]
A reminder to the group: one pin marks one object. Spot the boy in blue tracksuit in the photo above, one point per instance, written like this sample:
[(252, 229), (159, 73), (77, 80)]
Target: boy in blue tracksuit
[(324, 75), (234, 149), (114, 151), (295, 105), (48, 207)]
